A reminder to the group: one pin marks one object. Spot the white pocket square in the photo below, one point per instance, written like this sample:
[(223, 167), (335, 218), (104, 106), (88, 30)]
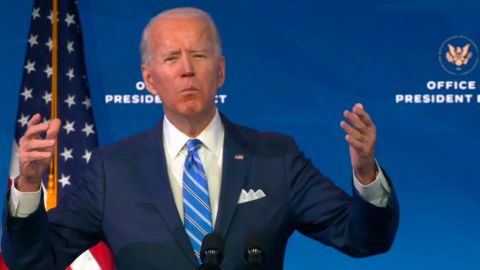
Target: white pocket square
[(250, 195)]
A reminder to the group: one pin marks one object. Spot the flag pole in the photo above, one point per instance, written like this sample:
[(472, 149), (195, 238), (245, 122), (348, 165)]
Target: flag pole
[(52, 175)]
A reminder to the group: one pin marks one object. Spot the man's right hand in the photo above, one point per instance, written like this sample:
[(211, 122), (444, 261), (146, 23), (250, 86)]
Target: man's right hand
[(35, 153)]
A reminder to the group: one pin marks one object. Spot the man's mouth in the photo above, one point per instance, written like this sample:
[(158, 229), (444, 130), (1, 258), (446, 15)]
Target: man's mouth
[(189, 89)]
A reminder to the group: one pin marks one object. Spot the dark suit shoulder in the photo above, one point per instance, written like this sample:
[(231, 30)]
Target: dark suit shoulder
[(264, 142), (134, 145)]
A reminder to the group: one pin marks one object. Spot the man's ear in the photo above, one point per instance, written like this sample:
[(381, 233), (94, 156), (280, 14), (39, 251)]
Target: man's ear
[(147, 78), (221, 72)]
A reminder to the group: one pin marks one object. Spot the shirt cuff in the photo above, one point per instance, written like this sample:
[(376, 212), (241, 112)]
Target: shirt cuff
[(22, 204), (376, 192)]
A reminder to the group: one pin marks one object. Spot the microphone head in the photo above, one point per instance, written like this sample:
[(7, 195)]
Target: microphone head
[(254, 251), (212, 249), (254, 241)]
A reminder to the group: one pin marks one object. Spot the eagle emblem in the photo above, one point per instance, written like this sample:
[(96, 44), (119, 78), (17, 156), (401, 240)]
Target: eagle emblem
[(458, 55)]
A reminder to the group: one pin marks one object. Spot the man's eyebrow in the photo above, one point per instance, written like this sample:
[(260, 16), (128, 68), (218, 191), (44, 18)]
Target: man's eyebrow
[(198, 50), (171, 52)]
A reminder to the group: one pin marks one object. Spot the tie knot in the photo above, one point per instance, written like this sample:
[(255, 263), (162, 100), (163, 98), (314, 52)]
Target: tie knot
[(193, 144)]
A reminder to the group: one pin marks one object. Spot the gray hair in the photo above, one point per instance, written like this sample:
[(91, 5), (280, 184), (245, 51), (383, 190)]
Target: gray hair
[(184, 12)]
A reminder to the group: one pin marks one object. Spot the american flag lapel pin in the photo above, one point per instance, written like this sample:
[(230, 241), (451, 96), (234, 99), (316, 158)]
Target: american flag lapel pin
[(239, 157)]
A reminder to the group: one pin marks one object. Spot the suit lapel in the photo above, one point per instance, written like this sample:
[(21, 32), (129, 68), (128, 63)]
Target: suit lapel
[(161, 192), (234, 171)]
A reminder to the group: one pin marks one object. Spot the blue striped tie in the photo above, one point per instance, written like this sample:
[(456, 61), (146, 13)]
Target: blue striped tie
[(196, 205)]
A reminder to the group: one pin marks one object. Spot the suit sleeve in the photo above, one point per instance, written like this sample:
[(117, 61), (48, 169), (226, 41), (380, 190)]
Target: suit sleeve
[(53, 240), (326, 213)]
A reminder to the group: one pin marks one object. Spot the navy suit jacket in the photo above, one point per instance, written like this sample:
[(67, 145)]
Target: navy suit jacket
[(125, 199)]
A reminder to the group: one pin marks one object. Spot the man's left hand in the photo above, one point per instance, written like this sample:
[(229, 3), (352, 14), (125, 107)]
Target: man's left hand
[(361, 136)]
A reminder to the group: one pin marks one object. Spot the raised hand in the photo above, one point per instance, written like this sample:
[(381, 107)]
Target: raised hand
[(35, 153), (361, 136)]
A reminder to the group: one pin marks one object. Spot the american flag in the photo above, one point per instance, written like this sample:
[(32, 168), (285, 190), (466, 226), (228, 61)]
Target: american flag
[(55, 84)]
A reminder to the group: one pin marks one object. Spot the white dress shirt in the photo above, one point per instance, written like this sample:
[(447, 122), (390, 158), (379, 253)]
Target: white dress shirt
[(22, 204), (210, 153)]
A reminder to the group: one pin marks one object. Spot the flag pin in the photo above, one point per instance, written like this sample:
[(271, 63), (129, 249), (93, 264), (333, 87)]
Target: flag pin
[(239, 157)]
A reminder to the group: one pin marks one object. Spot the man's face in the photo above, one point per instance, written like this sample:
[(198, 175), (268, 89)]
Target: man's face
[(184, 68)]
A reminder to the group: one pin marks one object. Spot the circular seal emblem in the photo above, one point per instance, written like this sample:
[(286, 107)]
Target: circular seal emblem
[(458, 55)]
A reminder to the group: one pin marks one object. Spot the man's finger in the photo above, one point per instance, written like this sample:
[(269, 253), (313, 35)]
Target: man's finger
[(357, 145), (362, 114), (36, 130), (351, 131), (354, 121), (35, 156), (358, 105), (38, 145), (53, 129), (34, 120)]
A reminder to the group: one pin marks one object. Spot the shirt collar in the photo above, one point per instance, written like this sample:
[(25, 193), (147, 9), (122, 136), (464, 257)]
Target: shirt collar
[(175, 140)]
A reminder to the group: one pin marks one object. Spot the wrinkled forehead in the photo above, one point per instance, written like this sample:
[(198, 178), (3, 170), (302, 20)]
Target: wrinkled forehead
[(181, 31)]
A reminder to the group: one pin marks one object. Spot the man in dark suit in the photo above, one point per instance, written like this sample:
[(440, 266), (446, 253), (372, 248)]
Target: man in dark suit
[(153, 197)]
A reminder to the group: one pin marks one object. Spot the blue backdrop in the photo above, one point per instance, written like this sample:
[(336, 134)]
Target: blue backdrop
[(293, 67)]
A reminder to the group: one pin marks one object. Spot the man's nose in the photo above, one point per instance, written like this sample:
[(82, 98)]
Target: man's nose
[(188, 70)]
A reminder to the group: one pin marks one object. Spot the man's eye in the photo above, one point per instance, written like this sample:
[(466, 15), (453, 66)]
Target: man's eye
[(170, 59), (200, 55)]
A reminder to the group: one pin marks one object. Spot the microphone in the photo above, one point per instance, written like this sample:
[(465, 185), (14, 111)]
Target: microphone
[(211, 252), (254, 252)]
